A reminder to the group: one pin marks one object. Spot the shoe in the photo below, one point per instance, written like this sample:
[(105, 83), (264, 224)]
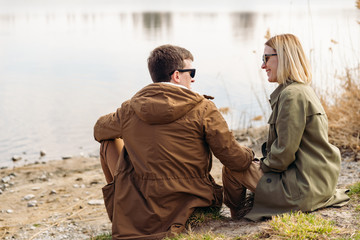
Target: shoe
[(243, 209)]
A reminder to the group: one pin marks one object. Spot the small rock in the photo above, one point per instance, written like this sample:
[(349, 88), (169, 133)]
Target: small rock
[(5, 179), (35, 188), (53, 192), (1, 191), (16, 158), (43, 177), (12, 175), (76, 186), (42, 153), (32, 203), (9, 211), (66, 157), (96, 202), (28, 197)]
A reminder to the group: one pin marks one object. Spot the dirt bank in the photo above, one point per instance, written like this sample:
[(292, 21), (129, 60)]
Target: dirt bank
[(63, 200)]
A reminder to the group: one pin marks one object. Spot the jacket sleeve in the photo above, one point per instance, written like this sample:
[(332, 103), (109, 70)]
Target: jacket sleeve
[(289, 125), (223, 143), (108, 127)]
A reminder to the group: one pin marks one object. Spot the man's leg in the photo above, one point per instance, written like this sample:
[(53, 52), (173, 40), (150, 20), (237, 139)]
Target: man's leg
[(109, 154), (235, 185)]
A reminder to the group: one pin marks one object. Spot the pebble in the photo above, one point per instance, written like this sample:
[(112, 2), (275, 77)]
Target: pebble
[(53, 192), (43, 177), (28, 197), (9, 211), (1, 191), (66, 157), (32, 203), (42, 153), (79, 186), (96, 202), (5, 179), (16, 158), (35, 188)]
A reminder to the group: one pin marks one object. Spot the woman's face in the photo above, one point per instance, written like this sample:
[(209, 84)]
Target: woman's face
[(270, 63)]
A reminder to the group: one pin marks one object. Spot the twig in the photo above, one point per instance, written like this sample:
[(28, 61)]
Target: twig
[(3, 234)]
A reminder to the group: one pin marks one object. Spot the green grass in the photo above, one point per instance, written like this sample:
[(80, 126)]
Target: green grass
[(299, 225), (355, 190), (198, 236), (104, 236), (354, 194), (202, 215)]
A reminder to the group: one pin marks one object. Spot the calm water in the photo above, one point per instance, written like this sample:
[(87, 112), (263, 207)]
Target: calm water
[(65, 63)]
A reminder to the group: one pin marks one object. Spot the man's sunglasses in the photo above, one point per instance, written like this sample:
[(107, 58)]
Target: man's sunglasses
[(191, 70), (266, 57)]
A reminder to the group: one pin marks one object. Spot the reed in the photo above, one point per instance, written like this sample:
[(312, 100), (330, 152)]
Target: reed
[(343, 111)]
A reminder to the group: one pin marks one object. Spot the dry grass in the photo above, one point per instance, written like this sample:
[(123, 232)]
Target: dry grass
[(344, 113)]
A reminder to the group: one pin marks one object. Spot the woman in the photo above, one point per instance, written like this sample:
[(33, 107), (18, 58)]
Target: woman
[(300, 168)]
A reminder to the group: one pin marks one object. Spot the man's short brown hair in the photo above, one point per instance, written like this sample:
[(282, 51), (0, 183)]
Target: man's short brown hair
[(165, 59)]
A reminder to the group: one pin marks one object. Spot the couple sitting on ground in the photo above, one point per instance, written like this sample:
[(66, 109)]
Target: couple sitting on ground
[(156, 149)]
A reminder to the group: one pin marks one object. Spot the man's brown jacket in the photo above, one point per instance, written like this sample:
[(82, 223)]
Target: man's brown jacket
[(163, 172)]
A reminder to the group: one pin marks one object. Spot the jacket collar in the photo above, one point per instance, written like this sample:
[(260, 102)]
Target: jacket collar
[(274, 97)]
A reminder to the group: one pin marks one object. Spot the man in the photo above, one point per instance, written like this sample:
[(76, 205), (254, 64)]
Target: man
[(163, 170)]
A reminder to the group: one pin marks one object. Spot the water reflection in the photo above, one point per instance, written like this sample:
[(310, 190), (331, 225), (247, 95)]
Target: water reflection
[(154, 24), (243, 24)]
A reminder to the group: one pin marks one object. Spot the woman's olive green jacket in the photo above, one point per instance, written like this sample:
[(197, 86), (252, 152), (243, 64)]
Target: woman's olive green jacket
[(301, 167)]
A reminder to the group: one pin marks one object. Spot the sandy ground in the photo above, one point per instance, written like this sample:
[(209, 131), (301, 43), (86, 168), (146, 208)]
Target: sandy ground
[(63, 200)]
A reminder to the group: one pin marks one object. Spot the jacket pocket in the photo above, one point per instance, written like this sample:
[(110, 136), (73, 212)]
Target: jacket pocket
[(291, 184), (108, 193)]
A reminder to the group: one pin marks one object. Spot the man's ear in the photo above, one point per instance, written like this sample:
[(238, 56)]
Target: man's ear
[(175, 77)]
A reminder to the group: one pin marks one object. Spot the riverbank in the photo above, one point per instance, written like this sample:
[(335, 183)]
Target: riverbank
[(63, 200)]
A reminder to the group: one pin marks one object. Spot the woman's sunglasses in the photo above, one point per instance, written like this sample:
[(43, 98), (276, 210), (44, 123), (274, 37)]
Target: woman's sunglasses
[(191, 70), (266, 57)]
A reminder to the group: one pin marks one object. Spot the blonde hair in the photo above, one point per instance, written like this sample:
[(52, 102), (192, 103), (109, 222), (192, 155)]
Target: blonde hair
[(292, 62)]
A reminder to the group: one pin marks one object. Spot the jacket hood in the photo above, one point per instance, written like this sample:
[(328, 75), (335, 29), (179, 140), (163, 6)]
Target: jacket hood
[(161, 103)]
